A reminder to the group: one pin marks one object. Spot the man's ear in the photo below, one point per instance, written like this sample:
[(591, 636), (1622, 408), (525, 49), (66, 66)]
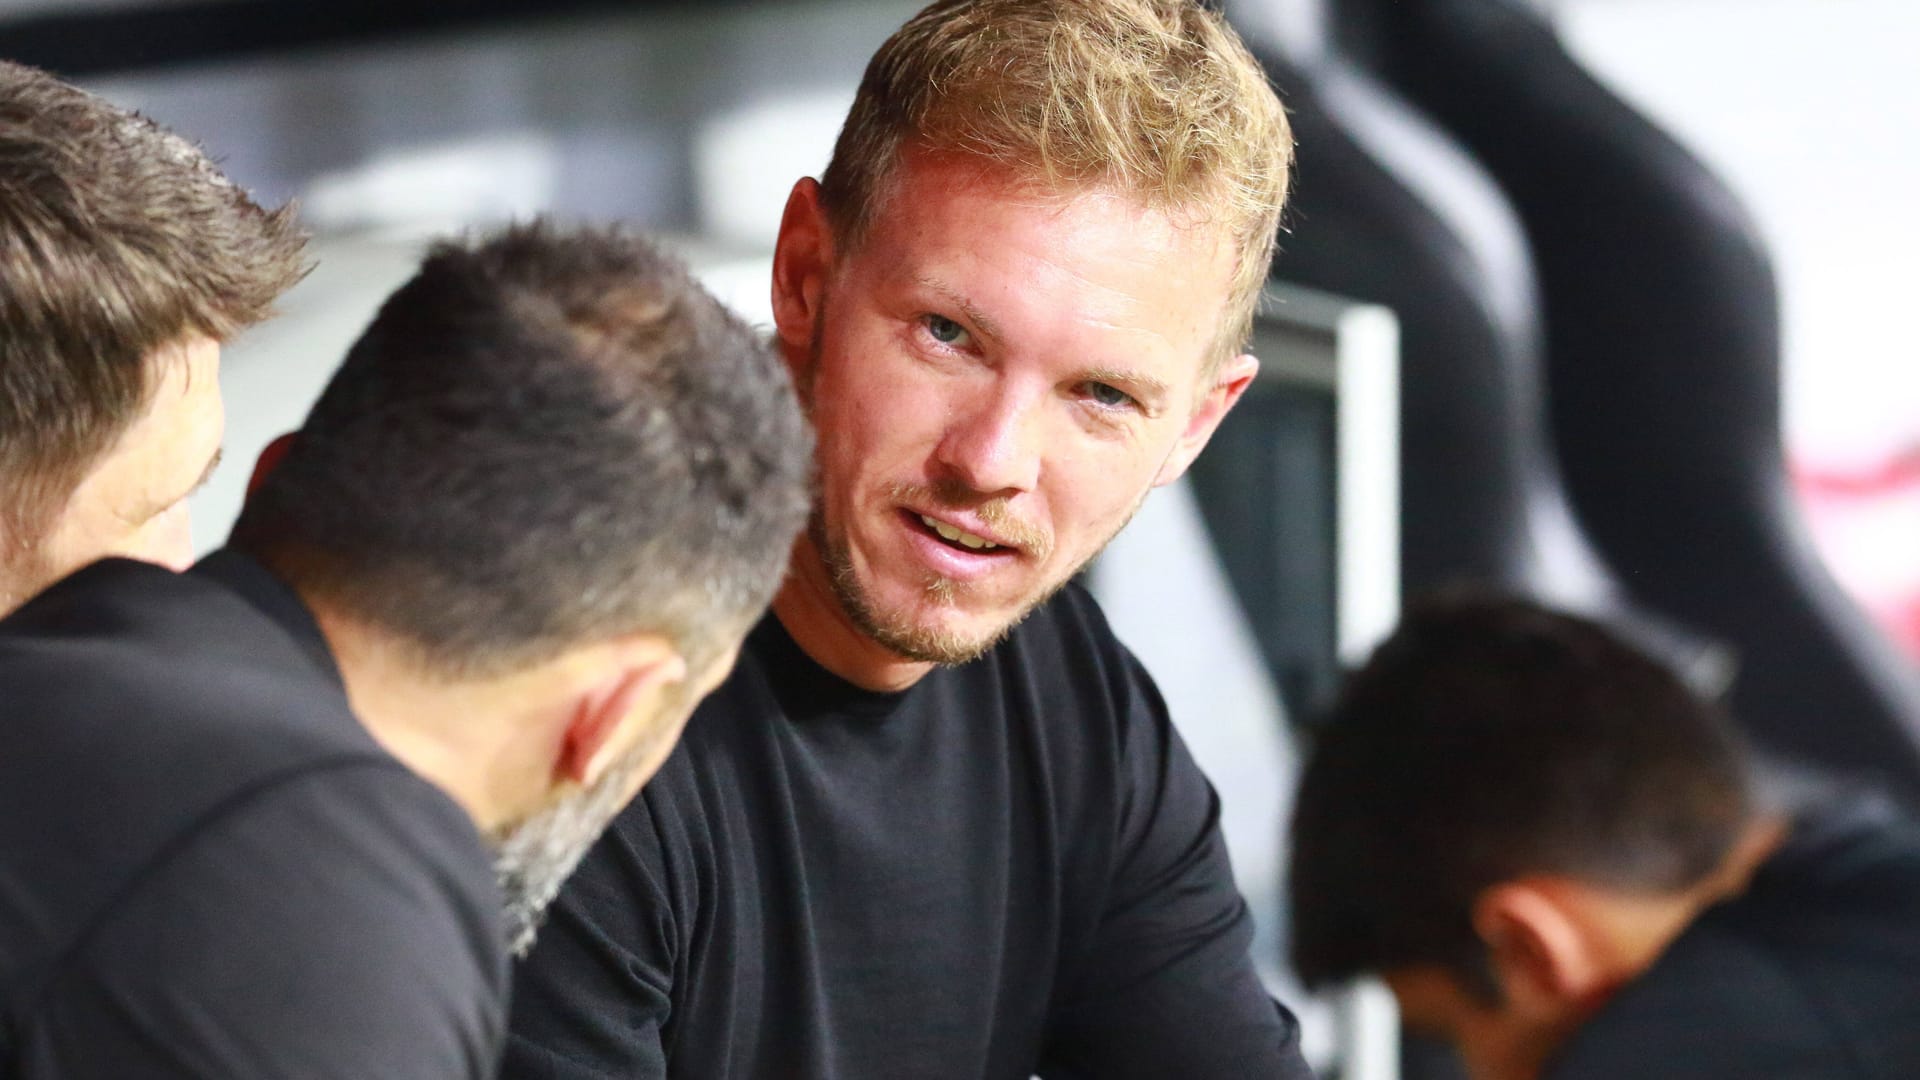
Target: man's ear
[(1544, 952), (269, 460), (1229, 383), (631, 684), (802, 256)]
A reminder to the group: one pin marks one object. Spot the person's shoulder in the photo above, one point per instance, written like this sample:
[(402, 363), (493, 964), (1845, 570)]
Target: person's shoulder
[(123, 641), (1068, 641), (1837, 912), (1066, 678), (1068, 628), (371, 828), (416, 822), (356, 854), (113, 596), (1716, 1004), (170, 692), (1845, 881), (423, 855), (104, 609), (345, 912), (109, 682), (1849, 842), (1071, 610), (124, 627), (1805, 976)]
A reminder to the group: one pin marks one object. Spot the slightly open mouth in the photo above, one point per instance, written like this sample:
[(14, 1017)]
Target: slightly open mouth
[(957, 539)]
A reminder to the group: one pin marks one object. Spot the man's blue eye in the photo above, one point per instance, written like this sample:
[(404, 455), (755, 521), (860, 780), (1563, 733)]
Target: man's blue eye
[(1108, 396), (945, 330)]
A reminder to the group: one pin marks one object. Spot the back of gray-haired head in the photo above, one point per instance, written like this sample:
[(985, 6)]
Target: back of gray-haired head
[(546, 437)]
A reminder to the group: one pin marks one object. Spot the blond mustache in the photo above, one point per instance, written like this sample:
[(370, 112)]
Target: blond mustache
[(1011, 529)]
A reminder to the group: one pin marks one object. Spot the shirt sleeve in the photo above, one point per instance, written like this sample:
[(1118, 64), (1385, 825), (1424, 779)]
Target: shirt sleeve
[(1168, 988), (591, 999), (325, 928)]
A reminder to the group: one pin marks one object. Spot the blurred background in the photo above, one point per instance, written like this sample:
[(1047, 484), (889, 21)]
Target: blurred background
[(1636, 275)]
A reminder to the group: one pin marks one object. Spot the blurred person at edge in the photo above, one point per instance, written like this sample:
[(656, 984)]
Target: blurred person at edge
[(938, 822), (1567, 866), (126, 258), (246, 811)]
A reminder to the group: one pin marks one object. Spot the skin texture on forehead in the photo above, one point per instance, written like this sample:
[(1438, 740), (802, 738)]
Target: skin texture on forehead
[(1018, 363), (1077, 215)]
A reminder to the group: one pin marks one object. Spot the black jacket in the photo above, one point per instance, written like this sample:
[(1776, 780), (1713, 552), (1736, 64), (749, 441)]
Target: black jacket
[(208, 868), (1812, 974)]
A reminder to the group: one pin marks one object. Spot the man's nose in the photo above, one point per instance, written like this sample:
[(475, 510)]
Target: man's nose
[(994, 443)]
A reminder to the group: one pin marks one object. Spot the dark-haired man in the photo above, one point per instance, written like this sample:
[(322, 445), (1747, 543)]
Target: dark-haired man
[(246, 811), (126, 258), (1560, 861), (938, 823)]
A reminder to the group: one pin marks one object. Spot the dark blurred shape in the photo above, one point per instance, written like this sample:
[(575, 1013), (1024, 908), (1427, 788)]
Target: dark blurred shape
[(1662, 361), (1388, 210), (1266, 491), (1308, 571), (1589, 357)]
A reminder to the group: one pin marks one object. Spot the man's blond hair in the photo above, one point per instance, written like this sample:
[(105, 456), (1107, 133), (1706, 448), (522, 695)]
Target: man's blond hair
[(1156, 100)]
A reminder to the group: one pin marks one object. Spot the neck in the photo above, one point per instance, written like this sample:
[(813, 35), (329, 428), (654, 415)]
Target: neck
[(468, 737), (1650, 935), (1758, 841), (810, 609), (1631, 930)]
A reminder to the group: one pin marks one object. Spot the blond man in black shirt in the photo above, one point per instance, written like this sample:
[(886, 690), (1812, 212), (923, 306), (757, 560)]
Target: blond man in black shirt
[(938, 823)]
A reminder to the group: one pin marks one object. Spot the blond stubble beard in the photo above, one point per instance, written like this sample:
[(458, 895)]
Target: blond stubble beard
[(898, 633)]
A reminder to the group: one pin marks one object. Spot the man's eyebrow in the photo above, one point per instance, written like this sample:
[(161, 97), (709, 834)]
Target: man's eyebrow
[(1150, 390), (978, 318)]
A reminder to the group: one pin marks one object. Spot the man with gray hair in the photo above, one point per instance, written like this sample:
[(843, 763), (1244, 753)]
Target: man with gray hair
[(256, 818), (938, 822), (126, 258)]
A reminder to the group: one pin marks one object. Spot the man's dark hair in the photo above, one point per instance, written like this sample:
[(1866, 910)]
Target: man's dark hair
[(117, 239), (545, 438), (1486, 740)]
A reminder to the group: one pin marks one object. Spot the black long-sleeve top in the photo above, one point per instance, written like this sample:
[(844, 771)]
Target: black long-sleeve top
[(209, 869), (1013, 867)]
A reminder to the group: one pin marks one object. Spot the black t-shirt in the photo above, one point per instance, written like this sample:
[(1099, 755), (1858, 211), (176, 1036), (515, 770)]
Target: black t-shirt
[(208, 868), (1011, 867), (1812, 974)]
